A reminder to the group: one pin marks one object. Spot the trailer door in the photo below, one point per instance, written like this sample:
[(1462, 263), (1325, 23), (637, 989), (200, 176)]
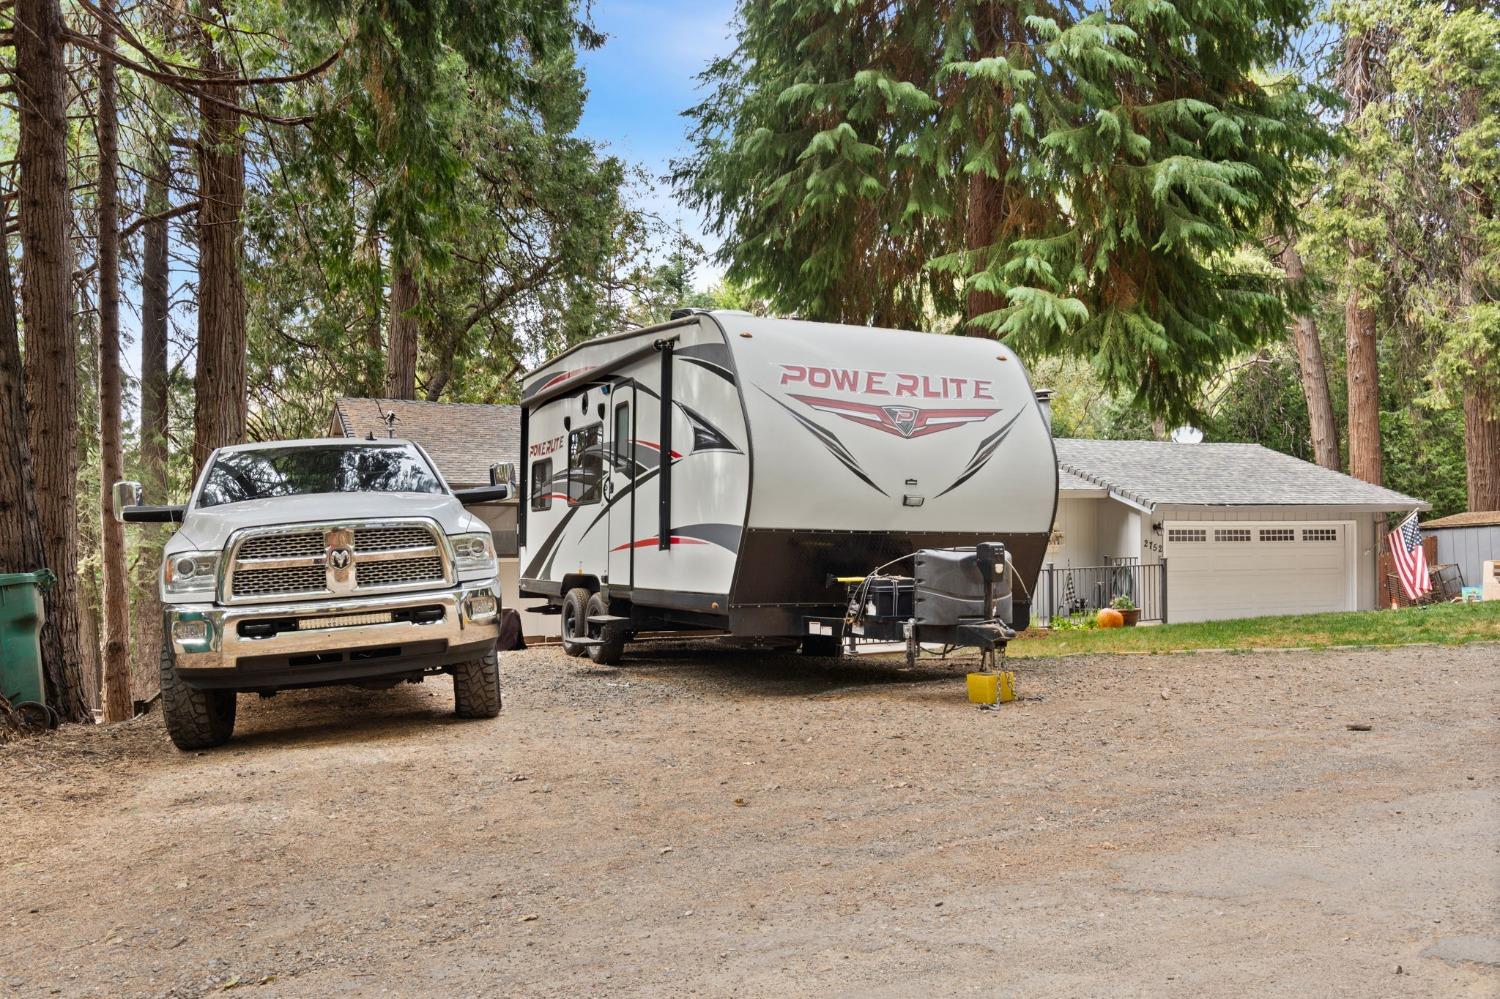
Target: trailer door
[(622, 469)]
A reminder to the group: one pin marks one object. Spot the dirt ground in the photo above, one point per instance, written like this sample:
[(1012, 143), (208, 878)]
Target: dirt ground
[(701, 822)]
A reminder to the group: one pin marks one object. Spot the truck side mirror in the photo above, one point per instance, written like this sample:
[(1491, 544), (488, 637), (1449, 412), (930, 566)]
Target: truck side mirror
[(125, 494), (483, 494), (126, 499), (503, 473)]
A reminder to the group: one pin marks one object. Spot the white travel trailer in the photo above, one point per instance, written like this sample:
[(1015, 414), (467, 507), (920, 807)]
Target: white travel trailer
[(723, 471)]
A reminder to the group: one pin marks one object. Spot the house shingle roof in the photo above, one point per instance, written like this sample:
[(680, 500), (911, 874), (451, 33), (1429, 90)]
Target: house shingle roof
[(1155, 472), (1473, 518), (465, 439), (1068, 482)]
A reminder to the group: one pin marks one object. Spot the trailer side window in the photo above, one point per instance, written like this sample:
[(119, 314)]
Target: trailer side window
[(586, 465), (541, 484), (624, 444)]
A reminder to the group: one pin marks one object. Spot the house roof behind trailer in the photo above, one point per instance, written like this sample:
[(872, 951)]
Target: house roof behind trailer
[(1155, 472), (465, 439)]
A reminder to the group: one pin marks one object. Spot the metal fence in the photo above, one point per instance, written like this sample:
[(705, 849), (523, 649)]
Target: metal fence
[(1083, 590)]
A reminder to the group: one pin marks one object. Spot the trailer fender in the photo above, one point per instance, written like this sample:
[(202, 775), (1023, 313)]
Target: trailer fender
[(572, 579)]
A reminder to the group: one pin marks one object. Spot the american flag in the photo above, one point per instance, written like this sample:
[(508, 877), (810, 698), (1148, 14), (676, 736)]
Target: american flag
[(1411, 559)]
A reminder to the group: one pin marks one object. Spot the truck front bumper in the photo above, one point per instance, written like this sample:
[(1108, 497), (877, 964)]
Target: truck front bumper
[(332, 641)]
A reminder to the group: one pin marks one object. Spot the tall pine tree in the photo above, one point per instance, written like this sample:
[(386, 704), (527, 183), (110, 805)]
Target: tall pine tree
[(1074, 179)]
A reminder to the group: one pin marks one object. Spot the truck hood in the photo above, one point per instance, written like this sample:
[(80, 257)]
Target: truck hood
[(207, 530)]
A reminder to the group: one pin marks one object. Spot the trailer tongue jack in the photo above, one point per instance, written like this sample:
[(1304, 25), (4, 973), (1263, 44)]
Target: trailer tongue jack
[(955, 597)]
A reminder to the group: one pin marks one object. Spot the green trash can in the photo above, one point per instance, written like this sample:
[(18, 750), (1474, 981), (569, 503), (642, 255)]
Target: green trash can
[(20, 645)]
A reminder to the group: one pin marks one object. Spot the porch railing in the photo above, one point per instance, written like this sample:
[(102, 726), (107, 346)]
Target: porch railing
[(1062, 591)]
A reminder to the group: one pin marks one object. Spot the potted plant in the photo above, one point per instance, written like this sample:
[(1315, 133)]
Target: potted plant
[(1127, 609)]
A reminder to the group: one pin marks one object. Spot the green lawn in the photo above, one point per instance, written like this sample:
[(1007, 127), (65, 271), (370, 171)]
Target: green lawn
[(1448, 624)]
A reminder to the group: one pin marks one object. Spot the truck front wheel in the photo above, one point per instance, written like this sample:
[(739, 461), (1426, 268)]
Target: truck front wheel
[(476, 687), (196, 719)]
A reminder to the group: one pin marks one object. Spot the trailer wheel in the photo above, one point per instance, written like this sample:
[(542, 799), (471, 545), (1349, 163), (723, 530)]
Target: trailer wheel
[(575, 620), (605, 653)]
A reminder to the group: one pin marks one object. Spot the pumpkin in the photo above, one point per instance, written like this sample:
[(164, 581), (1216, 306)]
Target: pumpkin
[(1110, 618)]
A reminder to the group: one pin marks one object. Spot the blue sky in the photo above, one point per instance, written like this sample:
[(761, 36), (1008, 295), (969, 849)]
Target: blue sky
[(641, 81)]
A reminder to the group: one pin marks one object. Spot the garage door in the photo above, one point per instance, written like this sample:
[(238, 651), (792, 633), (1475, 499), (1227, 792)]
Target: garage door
[(1225, 569)]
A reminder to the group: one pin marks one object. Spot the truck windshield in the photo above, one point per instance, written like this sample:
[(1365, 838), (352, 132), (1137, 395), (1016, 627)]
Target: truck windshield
[(236, 476)]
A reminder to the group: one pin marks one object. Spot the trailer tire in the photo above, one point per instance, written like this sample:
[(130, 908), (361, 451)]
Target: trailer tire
[(823, 646), (606, 653), (476, 687), (196, 719), (575, 619)]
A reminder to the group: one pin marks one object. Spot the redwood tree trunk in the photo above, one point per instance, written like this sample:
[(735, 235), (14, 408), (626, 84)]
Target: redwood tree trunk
[(51, 362), (1362, 364), (1363, 378), (154, 286), (1321, 423), (219, 405), (20, 534), (401, 366), (1482, 443), (1481, 393), (986, 195), (115, 649)]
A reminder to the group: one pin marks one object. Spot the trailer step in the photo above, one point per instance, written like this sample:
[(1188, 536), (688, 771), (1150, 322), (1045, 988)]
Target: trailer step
[(607, 619)]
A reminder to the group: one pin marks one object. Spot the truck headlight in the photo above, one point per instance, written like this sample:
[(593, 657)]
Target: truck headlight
[(473, 553), (190, 572)]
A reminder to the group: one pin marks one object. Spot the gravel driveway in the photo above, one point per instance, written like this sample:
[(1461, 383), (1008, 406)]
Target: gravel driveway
[(705, 822)]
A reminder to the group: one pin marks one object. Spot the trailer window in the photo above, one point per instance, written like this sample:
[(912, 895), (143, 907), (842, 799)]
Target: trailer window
[(541, 484), (624, 444), (586, 465)]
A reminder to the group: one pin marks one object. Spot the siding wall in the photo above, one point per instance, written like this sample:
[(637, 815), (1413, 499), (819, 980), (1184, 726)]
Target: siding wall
[(1078, 520), (1469, 548)]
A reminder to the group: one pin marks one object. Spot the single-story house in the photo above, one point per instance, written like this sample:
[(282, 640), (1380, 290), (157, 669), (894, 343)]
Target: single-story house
[(1467, 540), (1243, 530)]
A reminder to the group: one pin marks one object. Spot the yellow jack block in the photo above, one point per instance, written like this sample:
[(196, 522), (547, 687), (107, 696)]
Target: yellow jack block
[(992, 688)]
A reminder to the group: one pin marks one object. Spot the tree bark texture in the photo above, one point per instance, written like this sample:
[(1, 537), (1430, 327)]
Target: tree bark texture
[(1362, 363), (1482, 443), (219, 404), (1322, 425), (401, 365), (153, 455), (20, 533), (115, 649), (1481, 391), (986, 194), (51, 362), (1363, 377)]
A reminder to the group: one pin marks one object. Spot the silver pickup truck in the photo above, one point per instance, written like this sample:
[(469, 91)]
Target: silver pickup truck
[(314, 562)]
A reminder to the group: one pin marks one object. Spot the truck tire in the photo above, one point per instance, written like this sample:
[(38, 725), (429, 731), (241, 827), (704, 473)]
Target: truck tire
[(575, 623), (476, 687), (607, 653), (196, 719), (824, 646)]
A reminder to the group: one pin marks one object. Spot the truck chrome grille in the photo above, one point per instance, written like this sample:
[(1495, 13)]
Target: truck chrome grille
[(299, 545), (289, 579), (381, 539), (397, 571), (337, 559)]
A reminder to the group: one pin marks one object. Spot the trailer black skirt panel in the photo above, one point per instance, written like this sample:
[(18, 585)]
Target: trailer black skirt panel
[(785, 576)]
